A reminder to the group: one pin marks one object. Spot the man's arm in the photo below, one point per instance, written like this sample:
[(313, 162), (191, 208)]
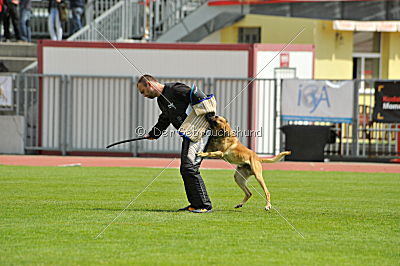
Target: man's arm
[(158, 129)]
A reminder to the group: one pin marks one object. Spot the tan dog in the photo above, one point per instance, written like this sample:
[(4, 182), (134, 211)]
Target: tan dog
[(225, 145)]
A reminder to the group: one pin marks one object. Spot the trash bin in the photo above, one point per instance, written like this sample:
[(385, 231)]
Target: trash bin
[(307, 143)]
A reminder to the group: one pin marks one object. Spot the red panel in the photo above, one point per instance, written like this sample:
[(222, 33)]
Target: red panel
[(252, 103), (284, 60), (40, 71)]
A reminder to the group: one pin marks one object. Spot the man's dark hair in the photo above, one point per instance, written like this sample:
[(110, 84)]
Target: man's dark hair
[(144, 79)]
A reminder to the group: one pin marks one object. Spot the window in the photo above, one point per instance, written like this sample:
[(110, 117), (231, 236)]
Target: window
[(250, 35), (366, 42), (366, 56)]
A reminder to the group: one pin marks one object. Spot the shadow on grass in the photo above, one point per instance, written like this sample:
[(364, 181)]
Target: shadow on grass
[(154, 210), (132, 210)]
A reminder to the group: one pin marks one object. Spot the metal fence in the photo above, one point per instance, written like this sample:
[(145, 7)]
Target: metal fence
[(363, 137), (86, 113)]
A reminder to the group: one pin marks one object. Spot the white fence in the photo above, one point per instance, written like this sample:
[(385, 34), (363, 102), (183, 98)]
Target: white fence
[(86, 113)]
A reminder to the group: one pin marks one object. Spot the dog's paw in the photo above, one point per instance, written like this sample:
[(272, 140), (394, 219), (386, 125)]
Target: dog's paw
[(267, 208), (202, 154), (238, 206)]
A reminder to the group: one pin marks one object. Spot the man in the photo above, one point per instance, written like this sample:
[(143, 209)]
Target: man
[(173, 100), (11, 14), (77, 8), (54, 20), (25, 10)]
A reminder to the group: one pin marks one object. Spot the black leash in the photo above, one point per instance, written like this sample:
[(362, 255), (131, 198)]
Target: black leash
[(124, 141)]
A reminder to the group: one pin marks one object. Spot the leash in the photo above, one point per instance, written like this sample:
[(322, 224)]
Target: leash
[(124, 141)]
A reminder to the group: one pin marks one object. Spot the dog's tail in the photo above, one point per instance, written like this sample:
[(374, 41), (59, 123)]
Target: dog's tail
[(276, 158)]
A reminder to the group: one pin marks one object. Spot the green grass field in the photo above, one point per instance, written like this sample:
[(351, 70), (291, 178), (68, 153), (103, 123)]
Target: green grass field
[(51, 215)]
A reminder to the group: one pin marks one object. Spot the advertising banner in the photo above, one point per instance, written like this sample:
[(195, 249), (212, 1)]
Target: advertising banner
[(387, 102), (5, 92), (318, 100)]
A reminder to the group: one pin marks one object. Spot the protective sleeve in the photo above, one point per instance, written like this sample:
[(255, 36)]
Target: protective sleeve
[(196, 95), (162, 124), (206, 105)]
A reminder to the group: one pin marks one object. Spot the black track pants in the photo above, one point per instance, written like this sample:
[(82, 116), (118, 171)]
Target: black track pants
[(190, 163), (13, 16)]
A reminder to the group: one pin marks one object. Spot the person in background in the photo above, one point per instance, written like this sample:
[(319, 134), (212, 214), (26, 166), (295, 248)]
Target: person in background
[(1, 16), (77, 9), (54, 21), (11, 13), (25, 11)]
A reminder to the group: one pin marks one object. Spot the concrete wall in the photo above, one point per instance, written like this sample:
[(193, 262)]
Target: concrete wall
[(12, 134), (161, 60)]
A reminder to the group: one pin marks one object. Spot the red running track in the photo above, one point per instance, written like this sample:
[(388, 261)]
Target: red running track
[(39, 160)]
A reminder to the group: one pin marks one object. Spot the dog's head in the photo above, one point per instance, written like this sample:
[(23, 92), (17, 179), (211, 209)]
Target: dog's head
[(220, 127)]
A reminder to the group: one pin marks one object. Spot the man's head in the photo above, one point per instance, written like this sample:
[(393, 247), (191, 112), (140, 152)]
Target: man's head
[(149, 87)]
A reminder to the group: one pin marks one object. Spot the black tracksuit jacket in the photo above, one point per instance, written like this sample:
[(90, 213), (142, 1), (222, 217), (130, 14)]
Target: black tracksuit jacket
[(177, 97)]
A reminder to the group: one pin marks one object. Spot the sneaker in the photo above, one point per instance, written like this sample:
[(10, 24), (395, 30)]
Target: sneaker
[(188, 208), (201, 210)]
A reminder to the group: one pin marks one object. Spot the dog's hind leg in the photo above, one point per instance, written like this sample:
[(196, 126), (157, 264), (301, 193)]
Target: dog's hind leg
[(257, 170), (241, 176)]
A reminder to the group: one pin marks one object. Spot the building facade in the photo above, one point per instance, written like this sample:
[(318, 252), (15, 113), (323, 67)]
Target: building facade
[(362, 52)]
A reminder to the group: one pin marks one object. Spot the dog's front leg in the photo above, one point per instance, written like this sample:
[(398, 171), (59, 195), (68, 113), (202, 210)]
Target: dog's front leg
[(214, 154)]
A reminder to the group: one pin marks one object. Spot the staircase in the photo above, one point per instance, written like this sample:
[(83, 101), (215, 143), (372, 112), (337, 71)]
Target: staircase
[(160, 21), (124, 20), (16, 56)]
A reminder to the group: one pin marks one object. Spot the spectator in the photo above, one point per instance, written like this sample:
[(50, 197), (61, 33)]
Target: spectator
[(54, 22), (1, 16), (11, 13), (25, 11), (77, 8)]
